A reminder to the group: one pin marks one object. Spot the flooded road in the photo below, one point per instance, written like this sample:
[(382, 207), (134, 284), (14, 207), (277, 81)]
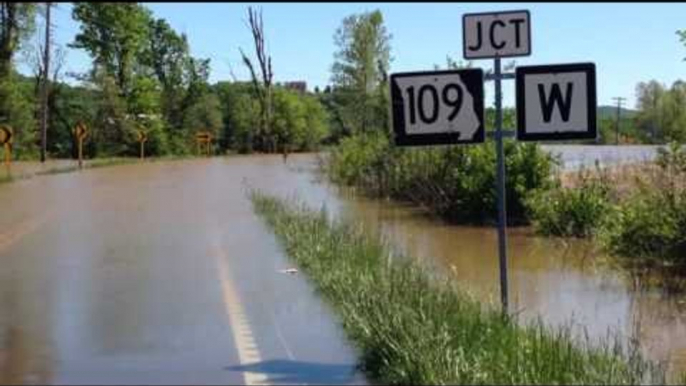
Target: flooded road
[(157, 273), (161, 273)]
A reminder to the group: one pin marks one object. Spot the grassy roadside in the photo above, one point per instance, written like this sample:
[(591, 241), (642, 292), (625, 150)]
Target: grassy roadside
[(412, 329)]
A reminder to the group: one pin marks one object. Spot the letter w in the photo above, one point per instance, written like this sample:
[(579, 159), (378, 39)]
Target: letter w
[(555, 97)]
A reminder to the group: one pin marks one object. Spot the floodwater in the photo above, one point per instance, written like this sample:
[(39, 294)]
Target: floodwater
[(562, 281), (161, 273), (157, 273)]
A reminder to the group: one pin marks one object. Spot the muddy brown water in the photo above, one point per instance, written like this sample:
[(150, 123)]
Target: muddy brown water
[(562, 281), (110, 276)]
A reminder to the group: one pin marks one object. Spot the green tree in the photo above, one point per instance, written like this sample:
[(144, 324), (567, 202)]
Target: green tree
[(114, 34), (360, 71), (17, 104), (673, 112), (204, 115), (244, 116), (649, 96), (167, 54)]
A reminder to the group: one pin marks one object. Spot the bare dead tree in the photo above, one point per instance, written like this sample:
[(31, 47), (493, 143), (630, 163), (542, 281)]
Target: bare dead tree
[(231, 73), (263, 85)]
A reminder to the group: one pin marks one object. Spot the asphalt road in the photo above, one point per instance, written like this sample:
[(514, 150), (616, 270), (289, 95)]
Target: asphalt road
[(158, 274)]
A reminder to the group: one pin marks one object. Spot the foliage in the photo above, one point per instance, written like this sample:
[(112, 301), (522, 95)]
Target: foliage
[(649, 226), (299, 121), (571, 211), (672, 158), (114, 34), (204, 115), (360, 72), (16, 99), (414, 328), (457, 183), (662, 112)]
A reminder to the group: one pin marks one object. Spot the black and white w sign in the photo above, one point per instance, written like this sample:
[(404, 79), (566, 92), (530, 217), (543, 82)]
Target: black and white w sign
[(556, 102)]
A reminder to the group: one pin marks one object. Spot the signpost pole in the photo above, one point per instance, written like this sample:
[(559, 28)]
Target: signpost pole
[(80, 152), (8, 156), (502, 210)]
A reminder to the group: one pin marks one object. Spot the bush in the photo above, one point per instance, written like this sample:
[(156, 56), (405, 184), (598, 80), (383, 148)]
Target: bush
[(649, 226), (577, 211), (458, 182)]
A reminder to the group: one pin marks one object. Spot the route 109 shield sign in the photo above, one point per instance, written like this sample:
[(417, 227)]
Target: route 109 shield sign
[(438, 107)]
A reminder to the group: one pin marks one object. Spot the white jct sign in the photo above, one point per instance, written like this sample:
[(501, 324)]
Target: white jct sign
[(438, 107), (496, 34), (556, 102)]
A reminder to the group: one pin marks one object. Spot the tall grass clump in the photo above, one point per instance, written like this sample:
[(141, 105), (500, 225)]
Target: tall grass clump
[(412, 327), (455, 182), (576, 211)]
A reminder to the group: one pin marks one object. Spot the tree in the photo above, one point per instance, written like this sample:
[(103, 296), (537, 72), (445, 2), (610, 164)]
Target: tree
[(167, 54), (204, 115), (673, 112), (17, 22), (649, 96), (114, 34), (682, 37), (263, 85), (360, 69)]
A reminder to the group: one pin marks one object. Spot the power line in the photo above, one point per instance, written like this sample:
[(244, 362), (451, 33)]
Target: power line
[(619, 110)]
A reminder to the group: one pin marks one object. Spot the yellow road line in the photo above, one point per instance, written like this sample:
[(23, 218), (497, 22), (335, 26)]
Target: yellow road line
[(242, 334)]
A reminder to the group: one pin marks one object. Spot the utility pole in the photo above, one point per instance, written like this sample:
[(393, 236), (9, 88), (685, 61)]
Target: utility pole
[(619, 109), (44, 91)]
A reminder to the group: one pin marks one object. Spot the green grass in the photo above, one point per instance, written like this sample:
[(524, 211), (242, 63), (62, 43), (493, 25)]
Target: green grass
[(412, 327)]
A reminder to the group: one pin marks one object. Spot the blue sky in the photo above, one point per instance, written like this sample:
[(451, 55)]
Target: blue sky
[(629, 42)]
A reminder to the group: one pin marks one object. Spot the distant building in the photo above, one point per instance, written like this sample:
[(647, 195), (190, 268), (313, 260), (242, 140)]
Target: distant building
[(300, 85)]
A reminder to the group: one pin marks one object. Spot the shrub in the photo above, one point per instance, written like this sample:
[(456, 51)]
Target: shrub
[(650, 226), (458, 182), (571, 211)]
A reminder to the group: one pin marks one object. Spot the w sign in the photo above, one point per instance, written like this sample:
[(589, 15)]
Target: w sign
[(556, 102)]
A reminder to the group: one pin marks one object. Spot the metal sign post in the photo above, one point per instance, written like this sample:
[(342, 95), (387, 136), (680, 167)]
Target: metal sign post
[(498, 35), (6, 134), (80, 131), (446, 107), (502, 209), (142, 139), (203, 137)]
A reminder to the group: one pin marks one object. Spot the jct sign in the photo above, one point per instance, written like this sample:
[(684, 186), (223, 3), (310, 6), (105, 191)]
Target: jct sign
[(496, 34)]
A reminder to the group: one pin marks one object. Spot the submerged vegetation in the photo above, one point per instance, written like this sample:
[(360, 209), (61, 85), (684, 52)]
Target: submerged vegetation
[(412, 328), (456, 183), (636, 213)]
